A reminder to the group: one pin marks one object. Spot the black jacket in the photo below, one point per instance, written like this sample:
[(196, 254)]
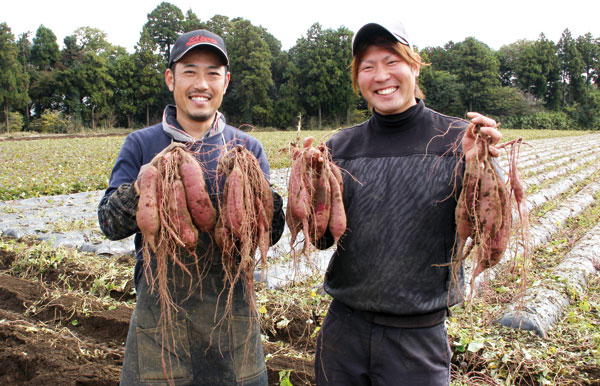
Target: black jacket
[(400, 191)]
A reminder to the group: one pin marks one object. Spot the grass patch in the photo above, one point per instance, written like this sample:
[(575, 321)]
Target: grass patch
[(56, 166), (67, 268)]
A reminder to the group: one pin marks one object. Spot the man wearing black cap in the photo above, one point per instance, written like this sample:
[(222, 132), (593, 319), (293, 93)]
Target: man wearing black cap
[(192, 351), (389, 276)]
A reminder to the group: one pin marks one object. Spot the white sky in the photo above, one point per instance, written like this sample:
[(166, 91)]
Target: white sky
[(429, 23)]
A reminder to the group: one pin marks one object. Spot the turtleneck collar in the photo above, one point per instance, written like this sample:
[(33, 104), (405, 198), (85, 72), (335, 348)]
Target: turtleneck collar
[(400, 121)]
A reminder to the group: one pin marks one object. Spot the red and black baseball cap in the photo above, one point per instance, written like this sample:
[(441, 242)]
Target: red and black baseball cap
[(189, 40)]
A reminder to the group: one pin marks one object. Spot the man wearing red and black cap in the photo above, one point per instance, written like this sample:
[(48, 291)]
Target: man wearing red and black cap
[(194, 350), (390, 277)]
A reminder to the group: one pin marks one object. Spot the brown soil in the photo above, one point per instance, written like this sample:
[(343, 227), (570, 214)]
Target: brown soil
[(58, 334)]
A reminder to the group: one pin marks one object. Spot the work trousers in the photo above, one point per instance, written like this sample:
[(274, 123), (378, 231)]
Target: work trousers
[(194, 349), (354, 349)]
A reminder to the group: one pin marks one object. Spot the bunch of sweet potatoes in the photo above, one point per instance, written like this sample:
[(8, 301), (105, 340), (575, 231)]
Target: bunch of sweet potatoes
[(315, 190), (173, 207), (484, 209), (174, 204), (246, 206), (244, 225)]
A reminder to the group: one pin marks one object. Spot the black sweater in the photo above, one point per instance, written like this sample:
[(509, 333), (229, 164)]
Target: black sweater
[(400, 196)]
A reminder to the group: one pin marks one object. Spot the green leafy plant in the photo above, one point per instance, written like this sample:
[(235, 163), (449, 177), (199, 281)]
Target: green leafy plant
[(284, 378)]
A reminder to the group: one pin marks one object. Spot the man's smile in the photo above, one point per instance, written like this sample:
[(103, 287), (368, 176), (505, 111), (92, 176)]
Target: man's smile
[(386, 91)]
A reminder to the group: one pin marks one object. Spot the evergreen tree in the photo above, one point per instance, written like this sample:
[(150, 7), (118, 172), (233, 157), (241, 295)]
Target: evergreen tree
[(571, 67), (589, 49), (531, 66), (507, 57), (125, 93), (477, 69), (221, 25), (72, 57), (165, 23), (14, 82), (442, 91), (148, 79), (45, 91), (24, 57), (287, 102), (192, 22), (547, 53), (95, 86), (24, 49), (247, 100), (44, 51), (322, 59)]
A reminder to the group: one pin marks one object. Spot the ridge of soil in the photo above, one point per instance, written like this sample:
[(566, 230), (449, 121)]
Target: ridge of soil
[(57, 333)]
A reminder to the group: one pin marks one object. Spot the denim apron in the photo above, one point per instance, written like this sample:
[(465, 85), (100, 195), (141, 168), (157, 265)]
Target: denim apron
[(195, 349)]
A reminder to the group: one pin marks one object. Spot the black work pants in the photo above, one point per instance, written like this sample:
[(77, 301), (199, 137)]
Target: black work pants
[(354, 350)]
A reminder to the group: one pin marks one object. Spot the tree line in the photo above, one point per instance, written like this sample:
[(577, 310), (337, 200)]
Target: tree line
[(91, 83)]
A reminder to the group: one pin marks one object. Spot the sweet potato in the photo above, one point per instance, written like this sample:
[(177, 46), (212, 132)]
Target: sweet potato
[(464, 225), (198, 201), (293, 224), (235, 215), (517, 187), (147, 216), (322, 204), (498, 242), (263, 234), (298, 195), (335, 170), (180, 219), (337, 218), (308, 141), (266, 198), (489, 206)]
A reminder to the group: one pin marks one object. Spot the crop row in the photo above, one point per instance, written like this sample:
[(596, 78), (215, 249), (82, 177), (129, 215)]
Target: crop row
[(70, 165), (562, 185)]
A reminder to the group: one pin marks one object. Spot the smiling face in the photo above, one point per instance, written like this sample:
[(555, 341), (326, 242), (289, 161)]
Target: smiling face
[(198, 82), (386, 81)]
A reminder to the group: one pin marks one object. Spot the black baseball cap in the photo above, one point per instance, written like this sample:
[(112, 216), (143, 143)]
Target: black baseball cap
[(391, 27), (189, 40)]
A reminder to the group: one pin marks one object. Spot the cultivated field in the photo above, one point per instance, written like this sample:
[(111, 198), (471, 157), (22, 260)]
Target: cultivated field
[(64, 312)]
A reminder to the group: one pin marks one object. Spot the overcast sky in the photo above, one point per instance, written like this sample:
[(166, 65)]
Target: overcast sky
[(429, 23)]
